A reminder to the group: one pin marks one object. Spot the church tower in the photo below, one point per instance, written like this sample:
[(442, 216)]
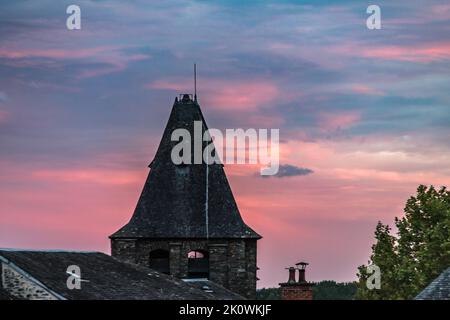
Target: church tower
[(186, 222)]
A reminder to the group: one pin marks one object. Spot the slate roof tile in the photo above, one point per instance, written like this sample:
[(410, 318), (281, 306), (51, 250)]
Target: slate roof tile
[(107, 278)]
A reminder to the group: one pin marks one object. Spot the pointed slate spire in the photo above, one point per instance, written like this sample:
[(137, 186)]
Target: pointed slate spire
[(172, 203)]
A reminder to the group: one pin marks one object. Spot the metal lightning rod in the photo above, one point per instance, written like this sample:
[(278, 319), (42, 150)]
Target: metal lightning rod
[(195, 82)]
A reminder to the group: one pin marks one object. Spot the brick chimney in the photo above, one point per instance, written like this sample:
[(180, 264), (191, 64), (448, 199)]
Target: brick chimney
[(296, 290)]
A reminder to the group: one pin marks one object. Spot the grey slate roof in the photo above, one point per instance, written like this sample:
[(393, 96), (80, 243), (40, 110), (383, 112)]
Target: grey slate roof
[(210, 287), (439, 289), (4, 295), (108, 277), (172, 203)]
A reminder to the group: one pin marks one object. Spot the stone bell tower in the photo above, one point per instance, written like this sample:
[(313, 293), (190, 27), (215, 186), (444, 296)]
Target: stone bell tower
[(186, 222)]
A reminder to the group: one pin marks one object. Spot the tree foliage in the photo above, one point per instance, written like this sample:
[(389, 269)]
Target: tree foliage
[(268, 294), (418, 254), (331, 290)]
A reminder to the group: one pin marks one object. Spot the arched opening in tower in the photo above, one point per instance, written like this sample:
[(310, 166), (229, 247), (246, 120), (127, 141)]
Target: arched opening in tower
[(198, 264), (159, 261)]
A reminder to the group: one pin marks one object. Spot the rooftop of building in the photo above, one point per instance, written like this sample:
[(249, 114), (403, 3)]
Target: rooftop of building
[(104, 277), (438, 289), (173, 201)]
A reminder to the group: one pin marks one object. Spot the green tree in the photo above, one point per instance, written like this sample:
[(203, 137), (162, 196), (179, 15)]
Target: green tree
[(385, 257), (332, 290), (268, 294), (419, 253)]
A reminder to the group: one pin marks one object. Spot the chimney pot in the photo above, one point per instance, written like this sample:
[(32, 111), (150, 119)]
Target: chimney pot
[(301, 276), (291, 275), (301, 271)]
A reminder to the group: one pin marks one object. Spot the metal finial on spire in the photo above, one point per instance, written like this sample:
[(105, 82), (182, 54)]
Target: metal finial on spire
[(195, 82)]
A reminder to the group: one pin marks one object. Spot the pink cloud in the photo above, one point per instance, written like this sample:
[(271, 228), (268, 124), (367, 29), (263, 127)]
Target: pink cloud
[(365, 90), (262, 121), (336, 121), (423, 53), (170, 85), (116, 63), (315, 217), (110, 177), (440, 11), (3, 115), (60, 214), (226, 94), (96, 72), (47, 85), (427, 15), (116, 59), (74, 208), (78, 53)]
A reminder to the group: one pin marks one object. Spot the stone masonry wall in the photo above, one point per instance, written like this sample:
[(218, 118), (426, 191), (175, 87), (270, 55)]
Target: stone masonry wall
[(252, 267), (124, 250), (232, 263)]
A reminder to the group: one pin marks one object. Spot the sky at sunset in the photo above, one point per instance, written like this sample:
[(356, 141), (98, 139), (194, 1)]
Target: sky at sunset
[(364, 116)]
